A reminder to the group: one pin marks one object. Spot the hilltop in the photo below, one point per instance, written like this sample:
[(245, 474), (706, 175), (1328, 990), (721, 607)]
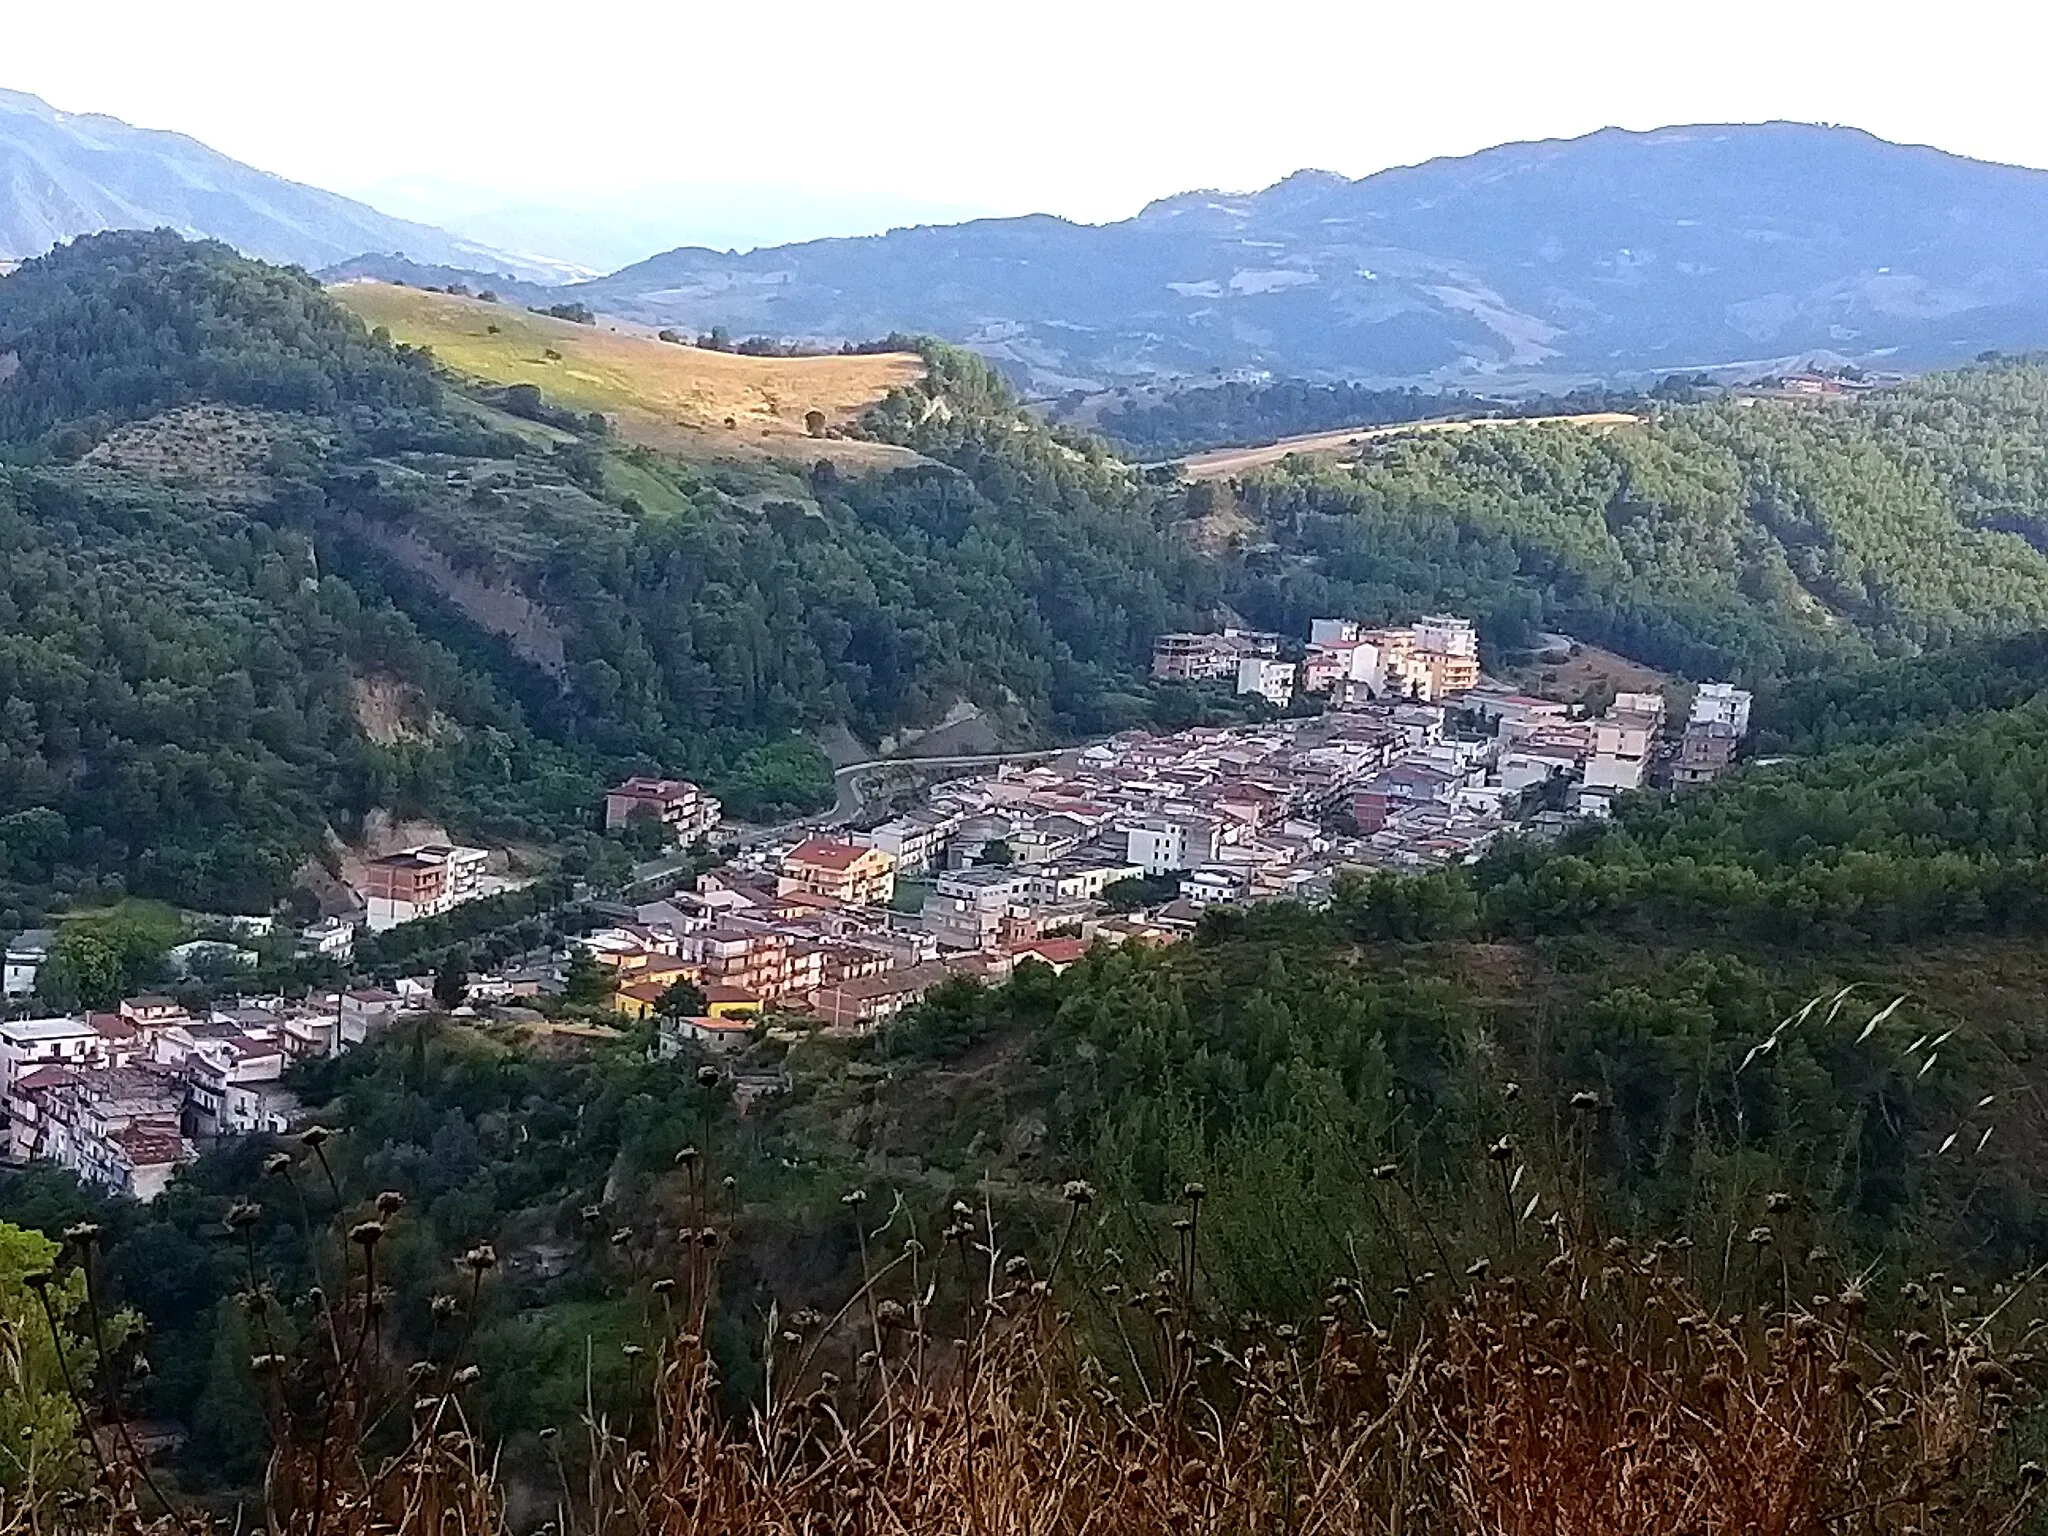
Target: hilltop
[(1544, 264), (676, 398), (66, 174)]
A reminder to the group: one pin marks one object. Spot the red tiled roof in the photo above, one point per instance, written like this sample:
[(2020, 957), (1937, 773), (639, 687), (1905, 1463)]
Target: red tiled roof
[(151, 1143), (111, 1026), (46, 1077), (1055, 951), (824, 853)]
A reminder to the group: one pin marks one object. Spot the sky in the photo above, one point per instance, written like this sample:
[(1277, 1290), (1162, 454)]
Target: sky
[(831, 113)]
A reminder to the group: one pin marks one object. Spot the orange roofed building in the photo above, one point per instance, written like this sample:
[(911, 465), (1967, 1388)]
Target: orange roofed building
[(860, 877)]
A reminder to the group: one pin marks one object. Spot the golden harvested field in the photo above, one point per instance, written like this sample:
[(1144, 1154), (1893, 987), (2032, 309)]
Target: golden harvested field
[(1237, 461), (677, 399)]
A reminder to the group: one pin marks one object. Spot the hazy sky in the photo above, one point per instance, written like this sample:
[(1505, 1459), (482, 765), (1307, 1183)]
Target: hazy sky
[(1081, 107)]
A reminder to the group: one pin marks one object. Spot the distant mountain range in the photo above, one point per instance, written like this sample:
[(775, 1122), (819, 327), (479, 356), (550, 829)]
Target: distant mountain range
[(1615, 256), (1599, 257), (64, 175)]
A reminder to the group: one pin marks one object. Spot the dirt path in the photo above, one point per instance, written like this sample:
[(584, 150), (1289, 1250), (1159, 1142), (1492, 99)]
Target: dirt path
[(1225, 462)]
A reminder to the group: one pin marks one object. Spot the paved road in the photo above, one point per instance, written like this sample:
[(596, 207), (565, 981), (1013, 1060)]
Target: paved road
[(852, 785)]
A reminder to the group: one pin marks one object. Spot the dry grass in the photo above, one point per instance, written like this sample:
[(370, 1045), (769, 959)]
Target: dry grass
[(1579, 1389), (675, 399), (1226, 462)]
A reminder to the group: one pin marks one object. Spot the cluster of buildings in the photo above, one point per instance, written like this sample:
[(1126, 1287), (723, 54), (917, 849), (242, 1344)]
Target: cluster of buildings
[(1434, 658), (124, 1098)]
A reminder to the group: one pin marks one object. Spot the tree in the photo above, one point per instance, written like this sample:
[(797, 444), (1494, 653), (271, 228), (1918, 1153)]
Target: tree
[(588, 982), (451, 981), (84, 970), (997, 854), (38, 1418), (683, 1000)]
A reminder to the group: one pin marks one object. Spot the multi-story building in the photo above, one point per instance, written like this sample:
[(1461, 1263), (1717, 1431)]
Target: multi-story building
[(1057, 884), (1187, 658), (1723, 705), (677, 804), (29, 1043), (916, 840), (1270, 680), (1448, 648), (1704, 753), (848, 872), (420, 882), (968, 907)]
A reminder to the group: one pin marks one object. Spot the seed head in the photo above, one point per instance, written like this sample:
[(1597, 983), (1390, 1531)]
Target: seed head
[(390, 1203), (366, 1233), (314, 1136)]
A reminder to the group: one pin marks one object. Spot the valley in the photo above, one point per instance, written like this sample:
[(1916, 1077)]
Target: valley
[(455, 714)]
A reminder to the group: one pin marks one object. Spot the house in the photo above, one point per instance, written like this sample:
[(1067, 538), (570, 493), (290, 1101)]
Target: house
[(232, 1088), (365, 1012), (26, 952), (1058, 953), (331, 938), (1050, 885), (151, 1012), (860, 1006), (420, 882), (677, 804), (114, 1126), (141, 1157), (864, 877), (1704, 753), (1272, 681), (210, 957), (725, 1002), (707, 1031)]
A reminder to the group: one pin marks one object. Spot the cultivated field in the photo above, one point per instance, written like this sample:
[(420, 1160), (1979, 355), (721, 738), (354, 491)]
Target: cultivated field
[(678, 399), (1225, 462)]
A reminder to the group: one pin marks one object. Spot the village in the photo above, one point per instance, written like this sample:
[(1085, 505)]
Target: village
[(1382, 749)]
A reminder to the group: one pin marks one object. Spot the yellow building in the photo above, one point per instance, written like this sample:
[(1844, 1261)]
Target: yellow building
[(860, 877)]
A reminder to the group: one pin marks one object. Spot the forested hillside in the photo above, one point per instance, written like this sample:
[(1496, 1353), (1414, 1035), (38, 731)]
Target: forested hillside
[(1763, 538), (548, 605)]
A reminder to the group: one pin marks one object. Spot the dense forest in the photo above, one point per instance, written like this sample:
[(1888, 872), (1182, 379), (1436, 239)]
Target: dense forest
[(1760, 539), (197, 610), (1238, 413)]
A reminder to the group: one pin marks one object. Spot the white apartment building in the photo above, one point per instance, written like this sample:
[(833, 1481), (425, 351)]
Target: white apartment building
[(1166, 845), (916, 841), (967, 908), (29, 1043), (1722, 704), (1271, 680)]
